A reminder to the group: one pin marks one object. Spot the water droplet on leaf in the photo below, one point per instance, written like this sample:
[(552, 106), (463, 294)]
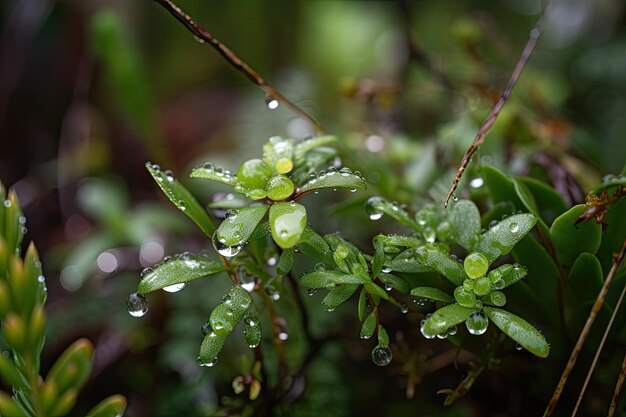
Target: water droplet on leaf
[(477, 323), (137, 304), (175, 287), (381, 355)]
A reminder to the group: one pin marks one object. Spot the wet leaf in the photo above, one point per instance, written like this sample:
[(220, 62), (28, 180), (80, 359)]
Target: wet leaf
[(285, 262), (369, 326), (586, 277), (209, 172), (287, 223), (335, 179), (114, 406), (182, 198), (500, 239), (519, 330), (464, 218), (436, 259), (315, 247), (406, 261), (570, 241), (239, 226), (376, 290), (338, 296), (252, 327), (302, 148), (324, 279), (362, 306), (178, 270), (383, 337), (394, 282), (432, 294), (277, 148), (446, 317)]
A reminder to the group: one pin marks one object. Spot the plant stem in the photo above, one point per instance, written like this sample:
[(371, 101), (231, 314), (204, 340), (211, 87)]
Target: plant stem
[(234, 60), (597, 305), (599, 350), (618, 389), (495, 110)]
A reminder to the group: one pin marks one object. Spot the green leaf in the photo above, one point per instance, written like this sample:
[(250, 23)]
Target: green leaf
[(506, 275), (239, 226), (432, 294), (377, 206), (209, 172), (586, 277), (179, 269), (362, 306), (609, 182), (252, 327), (436, 259), (406, 261), (446, 317), (338, 296), (182, 199), (550, 204), (307, 145), (226, 315), (114, 406), (525, 196), (519, 330), (335, 179), (614, 236), (570, 241), (328, 279), (394, 282), (369, 326), (315, 247), (261, 230), (500, 239), (379, 256), (464, 218), (287, 223), (376, 290), (211, 346), (73, 367), (500, 186), (497, 212), (383, 337), (285, 262)]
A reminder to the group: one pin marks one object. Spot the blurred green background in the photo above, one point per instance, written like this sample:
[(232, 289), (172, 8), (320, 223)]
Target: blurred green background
[(90, 90)]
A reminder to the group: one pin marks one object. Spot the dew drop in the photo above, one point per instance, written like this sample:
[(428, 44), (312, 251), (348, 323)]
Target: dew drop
[(230, 214), (429, 234), (519, 347), (137, 305), (386, 269), (514, 227), (206, 329), (169, 175), (381, 355), (223, 249), (249, 321), (455, 198), (404, 309), (208, 166), (320, 266), (271, 102), (311, 291), (388, 287), (198, 39), (345, 172), (372, 207), (271, 261), (424, 332), (7, 203), (208, 363), (477, 323), (283, 336), (248, 286), (493, 224), (175, 287), (181, 205)]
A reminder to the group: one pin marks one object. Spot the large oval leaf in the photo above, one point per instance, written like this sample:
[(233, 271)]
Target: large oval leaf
[(438, 260), (570, 240), (446, 317), (315, 247), (209, 172), (519, 330), (239, 224), (432, 294), (338, 296), (178, 270), (328, 279), (585, 277), (464, 218), (182, 198), (335, 179), (406, 261), (549, 203), (500, 239), (287, 222)]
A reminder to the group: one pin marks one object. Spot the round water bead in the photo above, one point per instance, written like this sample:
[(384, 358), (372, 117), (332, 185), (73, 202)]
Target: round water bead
[(477, 323), (476, 265), (279, 188), (254, 173), (137, 304), (381, 355), (283, 165), (373, 207)]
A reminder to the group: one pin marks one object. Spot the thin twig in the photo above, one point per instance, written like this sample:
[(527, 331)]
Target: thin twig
[(599, 350), (597, 305), (618, 389), (234, 60), (495, 111)]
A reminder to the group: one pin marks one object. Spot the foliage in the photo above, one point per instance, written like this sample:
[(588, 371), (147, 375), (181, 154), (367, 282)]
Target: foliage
[(23, 295)]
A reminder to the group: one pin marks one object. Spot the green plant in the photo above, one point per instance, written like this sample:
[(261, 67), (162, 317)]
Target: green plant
[(22, 299)]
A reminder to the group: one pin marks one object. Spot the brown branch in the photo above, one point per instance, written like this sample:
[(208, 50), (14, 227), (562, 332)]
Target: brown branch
[(599, 350), (495, 111), (597, 306), (234, 60), (618, 389)]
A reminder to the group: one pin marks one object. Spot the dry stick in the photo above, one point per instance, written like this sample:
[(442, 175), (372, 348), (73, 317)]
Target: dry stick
[(597, 305), (234, 60), (618, 389), (599, 350), (495, 111)]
